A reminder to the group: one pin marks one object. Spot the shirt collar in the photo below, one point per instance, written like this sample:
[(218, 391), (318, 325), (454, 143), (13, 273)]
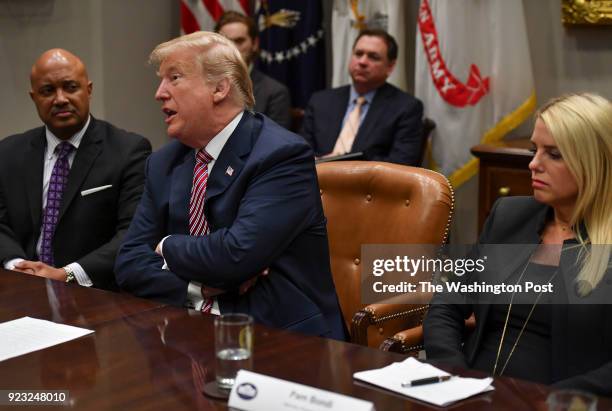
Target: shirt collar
[(369, 96), (214, 146), (53, 141)]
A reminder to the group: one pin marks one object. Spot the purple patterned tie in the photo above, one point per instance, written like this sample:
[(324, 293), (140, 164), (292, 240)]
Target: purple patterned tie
[(57, 185)]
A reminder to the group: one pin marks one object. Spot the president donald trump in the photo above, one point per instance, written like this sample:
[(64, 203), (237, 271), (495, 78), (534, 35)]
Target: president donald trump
[(233, 196)]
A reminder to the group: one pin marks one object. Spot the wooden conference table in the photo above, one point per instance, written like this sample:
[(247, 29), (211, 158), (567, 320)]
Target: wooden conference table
[(147, 356)]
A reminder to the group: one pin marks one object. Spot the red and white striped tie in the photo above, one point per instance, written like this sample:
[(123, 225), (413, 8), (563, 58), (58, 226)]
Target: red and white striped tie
[(198, 225)]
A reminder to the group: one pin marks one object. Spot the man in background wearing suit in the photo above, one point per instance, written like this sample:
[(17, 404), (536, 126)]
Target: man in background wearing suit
[(271, 97), (233, 195), (68, 190), (370, 116)]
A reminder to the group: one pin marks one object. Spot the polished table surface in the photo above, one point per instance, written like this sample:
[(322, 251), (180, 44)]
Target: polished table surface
[(147, 356)]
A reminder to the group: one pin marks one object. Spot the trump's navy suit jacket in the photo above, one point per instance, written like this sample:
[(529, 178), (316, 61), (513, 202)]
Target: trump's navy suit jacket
[(264, 209)]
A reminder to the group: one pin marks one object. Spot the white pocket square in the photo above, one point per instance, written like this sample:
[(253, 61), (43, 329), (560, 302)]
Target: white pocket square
[(94, 190)]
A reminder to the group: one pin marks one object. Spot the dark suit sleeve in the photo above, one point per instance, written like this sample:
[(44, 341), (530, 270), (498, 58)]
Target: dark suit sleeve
[(276, 207), (98, 264), (443, 328), (598, 381), (308, 125), (138, 268), (9, 247), (279, 105), (407, 137)]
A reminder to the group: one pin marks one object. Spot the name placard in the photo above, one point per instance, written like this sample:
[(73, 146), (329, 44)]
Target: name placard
[(257, 392)]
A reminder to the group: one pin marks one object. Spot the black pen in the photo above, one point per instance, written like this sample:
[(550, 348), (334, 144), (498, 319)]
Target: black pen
[(424, 381)]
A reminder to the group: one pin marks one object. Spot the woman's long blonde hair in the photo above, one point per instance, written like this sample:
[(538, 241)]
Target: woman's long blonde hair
[(581, 125)]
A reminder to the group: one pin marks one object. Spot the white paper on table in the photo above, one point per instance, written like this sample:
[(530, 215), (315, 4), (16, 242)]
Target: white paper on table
[(25, 335), (441, 394)]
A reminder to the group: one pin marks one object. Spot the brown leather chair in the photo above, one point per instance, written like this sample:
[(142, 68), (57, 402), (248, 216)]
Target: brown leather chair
[(368, 202), (410, 341)]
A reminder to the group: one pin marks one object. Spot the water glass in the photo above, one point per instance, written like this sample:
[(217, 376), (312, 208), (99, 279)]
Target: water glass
[(571, 400), (233, 347)]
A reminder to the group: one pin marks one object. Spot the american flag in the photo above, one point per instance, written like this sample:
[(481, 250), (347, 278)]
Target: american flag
[(202, 14)]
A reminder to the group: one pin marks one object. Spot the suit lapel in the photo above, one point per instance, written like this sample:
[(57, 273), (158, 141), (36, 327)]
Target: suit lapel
[(180, 194), (521, 245), (34, 176), (227, 167), (85, 157), (369, 123), (231, 159), (529, 239), (337, 109), (520, 259)]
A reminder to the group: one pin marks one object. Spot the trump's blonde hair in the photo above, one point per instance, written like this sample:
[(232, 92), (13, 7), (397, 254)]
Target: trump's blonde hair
[(217, 58), (581, 125)]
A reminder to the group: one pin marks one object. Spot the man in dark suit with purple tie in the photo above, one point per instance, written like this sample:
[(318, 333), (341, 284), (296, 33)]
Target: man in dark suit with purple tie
[(68, 190)]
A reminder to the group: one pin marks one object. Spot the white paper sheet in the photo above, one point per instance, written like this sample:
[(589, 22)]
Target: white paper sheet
[(441, 394), (25, 335)]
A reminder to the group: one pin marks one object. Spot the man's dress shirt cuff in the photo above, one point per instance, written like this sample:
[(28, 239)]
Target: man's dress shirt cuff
[(80, 275), (161, 250), (195, 299), (10, 264)]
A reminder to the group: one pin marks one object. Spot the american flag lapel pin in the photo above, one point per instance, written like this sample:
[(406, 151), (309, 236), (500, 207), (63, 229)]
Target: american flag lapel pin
[(229, 171)]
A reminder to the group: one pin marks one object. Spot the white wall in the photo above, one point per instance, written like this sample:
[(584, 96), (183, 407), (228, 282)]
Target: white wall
[(133, 29), (567, 59), (112, 37)]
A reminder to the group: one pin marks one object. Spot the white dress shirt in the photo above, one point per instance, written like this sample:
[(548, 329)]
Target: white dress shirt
[(213, 148)]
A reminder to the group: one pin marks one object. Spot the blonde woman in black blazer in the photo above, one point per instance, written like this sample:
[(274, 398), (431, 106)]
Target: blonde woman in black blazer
[(567, 341)]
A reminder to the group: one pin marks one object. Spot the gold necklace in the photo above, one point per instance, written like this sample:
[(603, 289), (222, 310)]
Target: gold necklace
[(501, 340)]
